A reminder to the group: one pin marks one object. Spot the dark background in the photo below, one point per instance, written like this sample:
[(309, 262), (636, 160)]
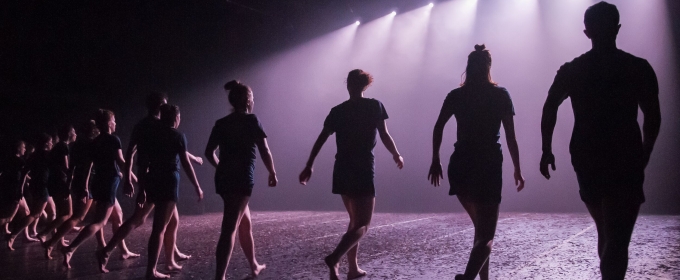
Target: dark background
[(61, 60)]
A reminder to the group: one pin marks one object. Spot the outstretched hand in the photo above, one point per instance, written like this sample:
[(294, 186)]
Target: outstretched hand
[(547, 159), (399, 161), (519, 180), (272, 180), (305, 175), (435, 173)]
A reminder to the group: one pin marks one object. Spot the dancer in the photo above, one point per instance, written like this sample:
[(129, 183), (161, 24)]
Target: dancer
[(12, 180), (141, 133), (475, 168), (167, 148), (106, 156), (59, 182), (236, 135), (355, 121), (38, 170), (609, 154)]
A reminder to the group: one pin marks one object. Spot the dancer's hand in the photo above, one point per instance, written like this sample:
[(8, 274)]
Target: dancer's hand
[(435, 173), (199, 191), (399, 160), (141, 199), (128, 188), (306, 175), (519, 180), (273, 180), (199, 160), (547, 159)]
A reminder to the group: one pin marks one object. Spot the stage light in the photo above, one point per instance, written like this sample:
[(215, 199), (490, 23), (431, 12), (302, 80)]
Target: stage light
[(357, 22), (393, 13), (430, 5)]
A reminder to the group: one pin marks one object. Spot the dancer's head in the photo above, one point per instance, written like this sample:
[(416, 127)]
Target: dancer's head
[(44, 142), (89, 130), (154, 100), (357, 81), (478, 70), (602, 22), (240, 96), (19, 148), (170, 115), (67, 133), (105, 121)]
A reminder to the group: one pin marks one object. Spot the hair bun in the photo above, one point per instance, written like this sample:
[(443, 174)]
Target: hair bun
[(480, 48), (231, 84)]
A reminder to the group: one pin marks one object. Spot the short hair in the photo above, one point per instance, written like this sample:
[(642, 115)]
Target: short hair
[(169, 113), (64, 131), (238, 94), (154, 100), (42, 139), (359, 79), (102, 118), (601, 15), (88, 129), (16, 144)]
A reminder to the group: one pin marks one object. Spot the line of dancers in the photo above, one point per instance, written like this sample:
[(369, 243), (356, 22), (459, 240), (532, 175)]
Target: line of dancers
[(609, 154)]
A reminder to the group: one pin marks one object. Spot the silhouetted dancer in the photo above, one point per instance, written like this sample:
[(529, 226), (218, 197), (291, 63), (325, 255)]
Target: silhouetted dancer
[(59, 182), (355, 123), (38, 169), (609, 154), (107, 156), (142, 133), (476, 165), (236, 136), (12, 180)]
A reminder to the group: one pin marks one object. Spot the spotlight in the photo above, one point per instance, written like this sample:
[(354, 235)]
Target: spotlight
[(357, 22), (393, 13), (430, 5)]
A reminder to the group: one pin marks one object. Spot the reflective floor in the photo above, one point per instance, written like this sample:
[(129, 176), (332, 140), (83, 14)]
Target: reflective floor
[(398, 246)]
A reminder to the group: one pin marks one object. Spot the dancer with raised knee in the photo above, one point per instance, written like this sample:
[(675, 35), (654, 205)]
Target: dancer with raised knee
[(236, 136), (167, 148), (609, 154), (355, 123), (476, 165)]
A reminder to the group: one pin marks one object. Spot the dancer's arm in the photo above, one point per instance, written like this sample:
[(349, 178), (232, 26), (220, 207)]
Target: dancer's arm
[(189, 170), (307, 172), (387, 140), (436, 172), (556, 95), (195, 159), (509, 126), (211, 148), (649, 104), (128, 188), (266, 155)]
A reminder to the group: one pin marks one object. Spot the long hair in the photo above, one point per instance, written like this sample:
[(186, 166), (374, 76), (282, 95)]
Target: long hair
[(238, 94), (478, 70), (102, 118)]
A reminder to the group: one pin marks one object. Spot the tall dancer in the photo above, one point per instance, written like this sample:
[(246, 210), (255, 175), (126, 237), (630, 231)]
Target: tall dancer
[(236, 136), (475, 168), (609, 154), (355, 121), (141, 133)]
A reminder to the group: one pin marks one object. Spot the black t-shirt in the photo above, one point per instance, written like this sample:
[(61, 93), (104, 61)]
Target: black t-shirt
[(605, 90), (104, 154), (142, 133), (165, 148), (479, 111), (80, 158), (56, 160), (235, 135), (355, 123), (38, 167), (12, 169)]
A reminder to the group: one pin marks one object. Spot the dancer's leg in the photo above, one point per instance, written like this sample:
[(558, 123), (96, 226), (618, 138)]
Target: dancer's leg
[(160, 221), (245, 236), (116, 220), (102, 211), (234, 206), (360, 215), (485, 220)]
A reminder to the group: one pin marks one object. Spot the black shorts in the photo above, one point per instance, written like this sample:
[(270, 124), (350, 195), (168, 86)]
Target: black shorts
[(354, 179), (609, 176), (477, 174), (38, 191), (57, 186), (162, 186), (104, 187), (229, 183)]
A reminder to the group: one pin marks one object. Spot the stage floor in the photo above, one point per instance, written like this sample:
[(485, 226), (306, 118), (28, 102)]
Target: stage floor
[(398, 246)]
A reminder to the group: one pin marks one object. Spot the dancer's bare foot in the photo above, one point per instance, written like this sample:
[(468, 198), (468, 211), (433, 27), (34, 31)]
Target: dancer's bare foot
[(332, 268), (67, 256), (355, 274), (42, 238), (257, 269), (129, 255), (64, 242), (31, 239), (7, 229), (77, 229), (156, 275), (48, 250), (103, 259), (174, 267), (181, 257), (10, 241)]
